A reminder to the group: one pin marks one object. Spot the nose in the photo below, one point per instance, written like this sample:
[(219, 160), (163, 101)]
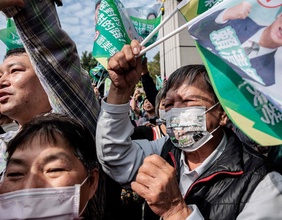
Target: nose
[(34, 181), (4, 81)]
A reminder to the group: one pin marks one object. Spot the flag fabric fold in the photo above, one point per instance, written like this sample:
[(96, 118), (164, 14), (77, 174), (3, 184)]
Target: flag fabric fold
[(192, 8), (115, 27), (248, 84)]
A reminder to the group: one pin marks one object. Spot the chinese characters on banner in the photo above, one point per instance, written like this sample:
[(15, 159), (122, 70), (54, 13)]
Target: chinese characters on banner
[(241, 45)]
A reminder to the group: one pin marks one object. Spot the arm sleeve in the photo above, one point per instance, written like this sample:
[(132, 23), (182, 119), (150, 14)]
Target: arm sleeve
[(56, 62), (119, 155), (149, 88), (265, 202)]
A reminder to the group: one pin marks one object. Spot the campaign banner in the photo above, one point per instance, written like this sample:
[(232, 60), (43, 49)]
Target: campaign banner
[(145, 19), (10, 36), (240, 43), (113, 29), (192, 8), (98, 75)]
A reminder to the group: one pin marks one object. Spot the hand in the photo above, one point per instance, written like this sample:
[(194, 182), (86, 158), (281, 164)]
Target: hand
[(136, 94), (9, 3), (156, 182), (240, 11), (125, 72)]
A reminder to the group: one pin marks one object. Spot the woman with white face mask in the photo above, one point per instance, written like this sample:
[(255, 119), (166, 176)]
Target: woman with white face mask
[(200, 170), (52, 172)]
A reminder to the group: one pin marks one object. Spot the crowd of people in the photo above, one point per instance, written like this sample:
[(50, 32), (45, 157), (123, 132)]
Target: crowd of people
[(168, 154)]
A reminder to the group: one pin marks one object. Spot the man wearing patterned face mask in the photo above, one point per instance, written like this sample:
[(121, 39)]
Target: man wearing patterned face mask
[(219, 179), (187, 127), (52, 172)]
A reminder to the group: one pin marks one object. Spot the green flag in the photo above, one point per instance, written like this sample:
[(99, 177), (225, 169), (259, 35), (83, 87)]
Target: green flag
[(115, 27), (145, 19), (98, 75), (192, 8), (113, 30), (10, 36), (246, 82)]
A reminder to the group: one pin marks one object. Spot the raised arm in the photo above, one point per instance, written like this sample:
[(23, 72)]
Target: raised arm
[(119, 155), (240, 11), (11, 3), (55, 59), (125, 72)]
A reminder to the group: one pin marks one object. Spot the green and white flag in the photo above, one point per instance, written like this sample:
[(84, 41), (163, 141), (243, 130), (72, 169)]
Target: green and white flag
[(243, 56), (113, 30), (10, 37), (192, 8), (145, 19)]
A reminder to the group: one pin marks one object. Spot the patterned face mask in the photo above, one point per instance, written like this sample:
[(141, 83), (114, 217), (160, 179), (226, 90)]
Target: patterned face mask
[(186, 127)]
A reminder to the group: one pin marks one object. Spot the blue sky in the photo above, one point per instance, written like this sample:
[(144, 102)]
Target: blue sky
[(77, 20)]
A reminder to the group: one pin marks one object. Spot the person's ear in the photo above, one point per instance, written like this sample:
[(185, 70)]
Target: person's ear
[(223, 119), (93, 183)]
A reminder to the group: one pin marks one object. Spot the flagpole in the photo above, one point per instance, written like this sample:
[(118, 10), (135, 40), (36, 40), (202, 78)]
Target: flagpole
[(142, 52), (179, 6), (158, 28)]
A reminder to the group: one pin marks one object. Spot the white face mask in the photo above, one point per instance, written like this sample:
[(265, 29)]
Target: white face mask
[(186, 127), (60, 203)]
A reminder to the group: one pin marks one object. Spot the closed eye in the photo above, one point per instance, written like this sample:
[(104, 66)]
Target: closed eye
[(55, 170), (16, 70), (14, 176)]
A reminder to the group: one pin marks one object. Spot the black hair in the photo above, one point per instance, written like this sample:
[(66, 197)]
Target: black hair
[(14, 52), (49, 128), (151, 13), (97, 4), (190, 74)]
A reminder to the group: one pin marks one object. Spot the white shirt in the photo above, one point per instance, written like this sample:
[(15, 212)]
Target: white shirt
[(121, 158)]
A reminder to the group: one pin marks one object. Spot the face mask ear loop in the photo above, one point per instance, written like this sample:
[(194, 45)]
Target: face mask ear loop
[(215, 129), (84, 181), (211, 108), (81, 217)]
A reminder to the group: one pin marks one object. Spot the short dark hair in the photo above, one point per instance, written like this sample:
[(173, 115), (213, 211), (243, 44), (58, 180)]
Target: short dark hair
[(48, 127), (14, 52), (190, 74), (52, 126)]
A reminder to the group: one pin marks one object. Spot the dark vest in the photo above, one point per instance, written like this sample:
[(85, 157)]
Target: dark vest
[(223, 190)]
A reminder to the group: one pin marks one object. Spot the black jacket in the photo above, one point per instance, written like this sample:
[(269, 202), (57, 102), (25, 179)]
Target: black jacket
[(223, 190)]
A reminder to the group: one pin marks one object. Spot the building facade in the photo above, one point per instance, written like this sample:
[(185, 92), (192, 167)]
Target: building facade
[(180, 49)]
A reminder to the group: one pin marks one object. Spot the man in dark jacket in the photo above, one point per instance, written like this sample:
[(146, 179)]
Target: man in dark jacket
[(200, 170)]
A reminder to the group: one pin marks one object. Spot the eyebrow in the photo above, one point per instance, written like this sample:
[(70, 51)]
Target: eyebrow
[(16, 161), (197, 97), (14, 64), (48, 159), (202, 98), (57, 156)]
